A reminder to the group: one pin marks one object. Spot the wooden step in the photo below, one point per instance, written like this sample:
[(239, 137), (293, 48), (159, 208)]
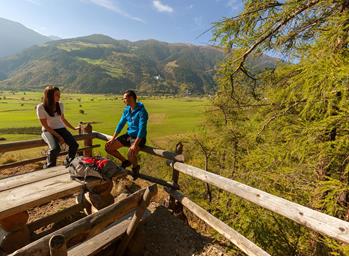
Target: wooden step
[(27, 178)]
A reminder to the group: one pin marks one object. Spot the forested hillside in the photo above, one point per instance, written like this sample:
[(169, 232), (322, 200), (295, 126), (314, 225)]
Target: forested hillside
[(100, 64)]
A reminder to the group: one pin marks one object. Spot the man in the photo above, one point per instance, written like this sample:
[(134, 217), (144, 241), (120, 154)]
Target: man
[(136, 117)]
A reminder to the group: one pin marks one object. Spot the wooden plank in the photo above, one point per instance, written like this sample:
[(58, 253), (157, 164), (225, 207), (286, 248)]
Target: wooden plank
[(113, 232), (148, 195), (20, 145), (28, 196), (24, 162), (24, 179), (315, 220), (147, 149), (91, 224), (55, 217), (233, 236), (98, 242)]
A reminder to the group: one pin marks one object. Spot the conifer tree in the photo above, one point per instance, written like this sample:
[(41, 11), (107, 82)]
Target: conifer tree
[(289, 124)]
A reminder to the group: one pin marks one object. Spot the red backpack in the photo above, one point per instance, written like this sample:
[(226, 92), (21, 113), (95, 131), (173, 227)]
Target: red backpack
[(103, 168)]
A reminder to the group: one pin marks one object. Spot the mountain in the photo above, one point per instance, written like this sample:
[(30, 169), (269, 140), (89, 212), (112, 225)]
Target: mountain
[(15, 37), (54, 37), (100, 64)]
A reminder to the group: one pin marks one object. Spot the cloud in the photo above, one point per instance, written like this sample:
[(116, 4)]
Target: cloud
[(162, 7), (108, 4), (234, 4), (36, 2)]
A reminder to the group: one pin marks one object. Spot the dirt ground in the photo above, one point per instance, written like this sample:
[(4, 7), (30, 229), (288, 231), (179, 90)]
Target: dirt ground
[(162, 233)]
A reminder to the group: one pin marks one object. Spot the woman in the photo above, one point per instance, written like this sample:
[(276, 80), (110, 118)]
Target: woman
[(54, 132)]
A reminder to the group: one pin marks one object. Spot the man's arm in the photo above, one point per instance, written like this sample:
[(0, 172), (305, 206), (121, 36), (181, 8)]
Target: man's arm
[(119, 127), (143, 120)]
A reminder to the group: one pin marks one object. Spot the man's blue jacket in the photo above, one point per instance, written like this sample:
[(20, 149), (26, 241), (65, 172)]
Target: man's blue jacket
[(136, 120)]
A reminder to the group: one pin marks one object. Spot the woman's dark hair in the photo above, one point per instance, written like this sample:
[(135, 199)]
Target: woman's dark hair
[(131, 93), (49, 101)]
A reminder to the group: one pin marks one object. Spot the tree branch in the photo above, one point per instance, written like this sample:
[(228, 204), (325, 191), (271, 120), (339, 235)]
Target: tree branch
[(270, 33)]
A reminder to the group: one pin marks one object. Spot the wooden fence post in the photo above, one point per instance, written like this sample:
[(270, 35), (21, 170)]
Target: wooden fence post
[(87, 142), (174, 205), (147, 196), (58, 246)]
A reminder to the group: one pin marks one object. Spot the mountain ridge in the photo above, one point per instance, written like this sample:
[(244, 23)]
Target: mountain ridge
[(16, 37)]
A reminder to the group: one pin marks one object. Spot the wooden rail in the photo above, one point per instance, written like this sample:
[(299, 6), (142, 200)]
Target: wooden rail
[(24, 162), (237, 239), (147, 149), (317, 221), (28, 144)]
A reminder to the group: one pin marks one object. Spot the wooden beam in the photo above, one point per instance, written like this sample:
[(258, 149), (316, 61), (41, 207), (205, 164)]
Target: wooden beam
[(237, 239), (31, 177), (148, 195), (98, 242), (55, 217), (24, 162), (58, 246), (91, 224), (20, 145), (147, 149), (315, 220), (113, 232), (28, 196)]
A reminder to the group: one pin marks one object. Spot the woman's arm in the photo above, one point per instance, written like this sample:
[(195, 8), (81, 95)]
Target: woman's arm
[(50, 130), (67, 124)]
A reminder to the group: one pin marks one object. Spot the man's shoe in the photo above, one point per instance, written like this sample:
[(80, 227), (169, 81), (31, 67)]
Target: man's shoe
[(125, 164), (135, 172)]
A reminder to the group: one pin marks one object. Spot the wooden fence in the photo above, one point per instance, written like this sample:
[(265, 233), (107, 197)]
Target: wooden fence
[(315, 220)]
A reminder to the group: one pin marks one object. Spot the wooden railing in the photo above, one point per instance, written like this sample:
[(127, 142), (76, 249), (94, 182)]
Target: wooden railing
[(315, 220)]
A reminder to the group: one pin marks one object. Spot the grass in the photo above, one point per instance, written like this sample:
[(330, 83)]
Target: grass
[(167, 116)]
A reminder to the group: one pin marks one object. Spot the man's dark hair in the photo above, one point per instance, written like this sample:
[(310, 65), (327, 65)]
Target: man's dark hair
[(131, 93)]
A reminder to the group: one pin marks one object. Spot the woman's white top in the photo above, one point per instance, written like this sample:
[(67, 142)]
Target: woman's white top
[(54, 122)]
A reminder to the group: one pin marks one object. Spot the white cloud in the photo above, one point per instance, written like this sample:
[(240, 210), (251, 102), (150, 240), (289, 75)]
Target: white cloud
[(190, 6), (162, 7), (108, 4), (234, 4), (36, 2)]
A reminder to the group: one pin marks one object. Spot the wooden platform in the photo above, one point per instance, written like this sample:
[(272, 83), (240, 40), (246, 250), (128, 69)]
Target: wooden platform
[(23, 192)]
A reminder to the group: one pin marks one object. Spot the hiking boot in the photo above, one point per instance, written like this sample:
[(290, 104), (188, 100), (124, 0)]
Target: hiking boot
[(125, 164), (135, 172)]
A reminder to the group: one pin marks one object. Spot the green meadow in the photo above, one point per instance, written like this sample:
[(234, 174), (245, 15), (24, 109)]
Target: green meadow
[(167, 116)]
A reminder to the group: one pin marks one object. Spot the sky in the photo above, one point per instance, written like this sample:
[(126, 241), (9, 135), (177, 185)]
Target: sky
[(165, 20)]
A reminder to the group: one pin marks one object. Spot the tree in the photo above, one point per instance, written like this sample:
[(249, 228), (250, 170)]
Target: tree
[(292, 118)]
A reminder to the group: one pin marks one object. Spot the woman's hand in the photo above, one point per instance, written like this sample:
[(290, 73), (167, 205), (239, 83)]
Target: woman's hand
[(77, 128), (134, 150)]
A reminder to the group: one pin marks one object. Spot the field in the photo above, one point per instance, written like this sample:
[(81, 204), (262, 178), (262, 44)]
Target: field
[(167, 116)]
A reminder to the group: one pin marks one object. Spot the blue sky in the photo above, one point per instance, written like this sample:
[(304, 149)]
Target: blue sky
[(165, 20)]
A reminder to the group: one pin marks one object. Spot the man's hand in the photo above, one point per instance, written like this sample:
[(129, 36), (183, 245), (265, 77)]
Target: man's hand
[(109, 143), (134, 150)]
